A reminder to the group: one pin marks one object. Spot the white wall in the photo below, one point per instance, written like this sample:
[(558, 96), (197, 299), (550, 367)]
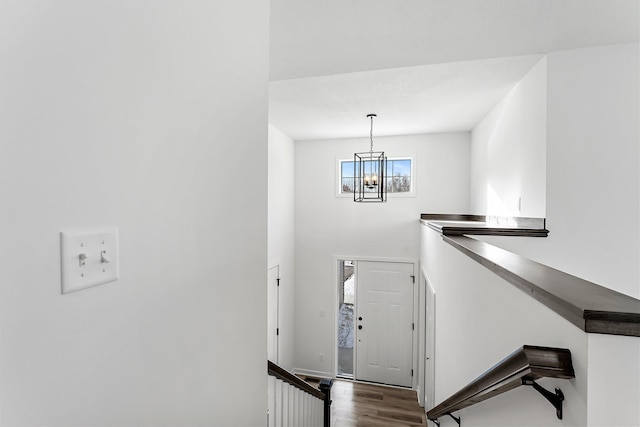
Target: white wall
[(134, 114), (281, 234), (593, 174), (480, 319), (593, 164), (593, 213), (328, 226), (593, 168), (613, 372), (508, 152)]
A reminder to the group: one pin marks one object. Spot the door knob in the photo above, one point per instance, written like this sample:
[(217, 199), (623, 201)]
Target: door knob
[(359, 326)]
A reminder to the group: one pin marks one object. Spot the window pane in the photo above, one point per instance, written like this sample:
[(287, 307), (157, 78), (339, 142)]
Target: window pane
[(397, 178), (347, 185), (402, 167), (347, 169)]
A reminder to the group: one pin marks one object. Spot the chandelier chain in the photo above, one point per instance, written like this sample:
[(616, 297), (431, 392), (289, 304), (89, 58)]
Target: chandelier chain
[(371, 135)]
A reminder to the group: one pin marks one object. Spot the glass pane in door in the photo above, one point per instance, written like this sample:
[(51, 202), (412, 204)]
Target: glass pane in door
[(346, 302)]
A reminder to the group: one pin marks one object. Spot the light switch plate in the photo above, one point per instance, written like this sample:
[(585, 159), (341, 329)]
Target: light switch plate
[(88, 257)]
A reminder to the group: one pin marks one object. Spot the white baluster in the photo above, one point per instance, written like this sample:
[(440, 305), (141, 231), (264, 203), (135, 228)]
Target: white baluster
[(271, 398), (278, 411), (314, 412), (305, 408), (292, 406), (320, 413), (285, 405), (296, 412), (300, 407)]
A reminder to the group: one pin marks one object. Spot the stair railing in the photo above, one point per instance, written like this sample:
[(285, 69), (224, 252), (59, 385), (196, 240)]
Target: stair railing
[(522, 367), (294, 402)]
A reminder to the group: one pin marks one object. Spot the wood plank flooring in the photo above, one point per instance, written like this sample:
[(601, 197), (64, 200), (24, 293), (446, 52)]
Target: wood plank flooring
[(367, 405)]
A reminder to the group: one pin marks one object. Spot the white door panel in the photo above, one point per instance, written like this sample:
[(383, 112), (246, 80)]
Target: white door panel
[(384, 322)]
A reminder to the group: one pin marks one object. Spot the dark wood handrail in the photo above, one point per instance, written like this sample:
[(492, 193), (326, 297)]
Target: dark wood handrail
[(522, 367), (288, 377), (589, 306)]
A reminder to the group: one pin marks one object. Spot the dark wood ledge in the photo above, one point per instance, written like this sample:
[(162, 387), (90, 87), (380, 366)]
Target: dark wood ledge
[(452, 217), (527, 363), (460, 224), (288, 377), (591, 307)]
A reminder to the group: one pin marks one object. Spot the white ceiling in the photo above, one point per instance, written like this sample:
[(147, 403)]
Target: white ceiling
[(424, 99), (422, 65)]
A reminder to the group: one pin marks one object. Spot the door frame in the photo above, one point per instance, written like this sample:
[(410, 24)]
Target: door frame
[(336, 285), (422, 300), (429, 347), (276, 267)]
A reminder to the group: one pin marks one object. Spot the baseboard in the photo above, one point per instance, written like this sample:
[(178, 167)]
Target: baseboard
[(309, 373)]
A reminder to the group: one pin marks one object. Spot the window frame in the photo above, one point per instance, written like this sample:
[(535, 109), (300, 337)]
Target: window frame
[(410, 193)]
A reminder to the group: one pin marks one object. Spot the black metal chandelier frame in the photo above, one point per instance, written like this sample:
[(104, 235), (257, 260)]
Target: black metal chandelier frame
[(369, 170)]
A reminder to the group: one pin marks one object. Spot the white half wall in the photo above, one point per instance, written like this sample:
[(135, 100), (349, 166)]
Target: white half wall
[(593, 168), (328, 226), (481, 319), (150, 116), (281, 234), (508, 152), (613, 372)]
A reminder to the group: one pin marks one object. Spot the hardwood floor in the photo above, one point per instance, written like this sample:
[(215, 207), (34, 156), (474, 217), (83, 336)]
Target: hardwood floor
[(367, 405)]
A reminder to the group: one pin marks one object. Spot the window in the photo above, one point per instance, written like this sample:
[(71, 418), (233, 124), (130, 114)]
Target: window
[(398, 177), (346, 327)]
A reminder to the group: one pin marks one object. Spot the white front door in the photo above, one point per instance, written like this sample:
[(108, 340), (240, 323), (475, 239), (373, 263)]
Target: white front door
[(272, 314), (384, 322)]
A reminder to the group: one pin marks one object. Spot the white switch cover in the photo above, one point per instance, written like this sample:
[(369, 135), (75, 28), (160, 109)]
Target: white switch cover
[(88, 257)]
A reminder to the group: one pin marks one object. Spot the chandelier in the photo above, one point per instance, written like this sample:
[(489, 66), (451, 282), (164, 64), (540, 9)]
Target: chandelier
[(369, 169)]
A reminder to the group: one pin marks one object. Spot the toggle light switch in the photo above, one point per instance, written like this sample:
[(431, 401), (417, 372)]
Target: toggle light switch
[(82, 258), (88, 257)]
